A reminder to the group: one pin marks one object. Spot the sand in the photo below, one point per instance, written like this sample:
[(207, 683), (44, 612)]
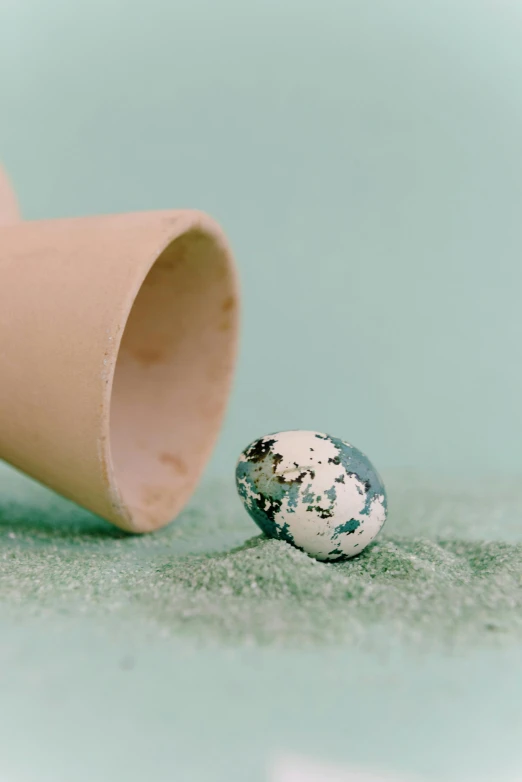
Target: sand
[(446, 571), (204, 653)]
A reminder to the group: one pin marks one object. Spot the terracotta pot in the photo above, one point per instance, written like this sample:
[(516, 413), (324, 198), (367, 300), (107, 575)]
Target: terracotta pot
[(117, 347), (9, 213)]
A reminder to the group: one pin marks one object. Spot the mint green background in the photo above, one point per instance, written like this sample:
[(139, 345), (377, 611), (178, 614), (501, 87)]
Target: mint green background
[(365, 159)]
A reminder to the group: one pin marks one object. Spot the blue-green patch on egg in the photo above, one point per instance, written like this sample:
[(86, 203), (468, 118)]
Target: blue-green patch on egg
[(315, 491)]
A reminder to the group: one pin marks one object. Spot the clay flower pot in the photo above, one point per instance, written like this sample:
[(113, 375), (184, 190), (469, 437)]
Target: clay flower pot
[(8, 206), (117, 347)]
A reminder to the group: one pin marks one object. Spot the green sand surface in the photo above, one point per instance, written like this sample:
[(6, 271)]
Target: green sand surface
[(204, 651)]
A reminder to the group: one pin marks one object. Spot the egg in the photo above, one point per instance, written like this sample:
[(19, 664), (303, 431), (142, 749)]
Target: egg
[(317, 492)]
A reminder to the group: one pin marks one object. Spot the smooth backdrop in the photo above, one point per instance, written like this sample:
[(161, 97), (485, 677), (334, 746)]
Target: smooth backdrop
[(365, 158)]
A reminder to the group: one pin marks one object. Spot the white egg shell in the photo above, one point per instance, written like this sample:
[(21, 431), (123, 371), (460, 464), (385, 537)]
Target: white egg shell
[(314, 491)]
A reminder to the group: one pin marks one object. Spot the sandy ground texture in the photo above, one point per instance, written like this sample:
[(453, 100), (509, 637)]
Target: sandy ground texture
[(205, 651)]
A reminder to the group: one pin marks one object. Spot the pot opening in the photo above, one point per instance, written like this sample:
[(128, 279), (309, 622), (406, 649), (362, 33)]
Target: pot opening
[(172, 377)]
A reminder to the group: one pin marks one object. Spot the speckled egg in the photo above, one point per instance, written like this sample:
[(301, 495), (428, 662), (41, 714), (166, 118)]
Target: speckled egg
[(314, 491)]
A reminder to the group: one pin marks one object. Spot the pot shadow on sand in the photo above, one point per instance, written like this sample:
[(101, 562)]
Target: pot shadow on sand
[(59, 520), (35, 512)]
